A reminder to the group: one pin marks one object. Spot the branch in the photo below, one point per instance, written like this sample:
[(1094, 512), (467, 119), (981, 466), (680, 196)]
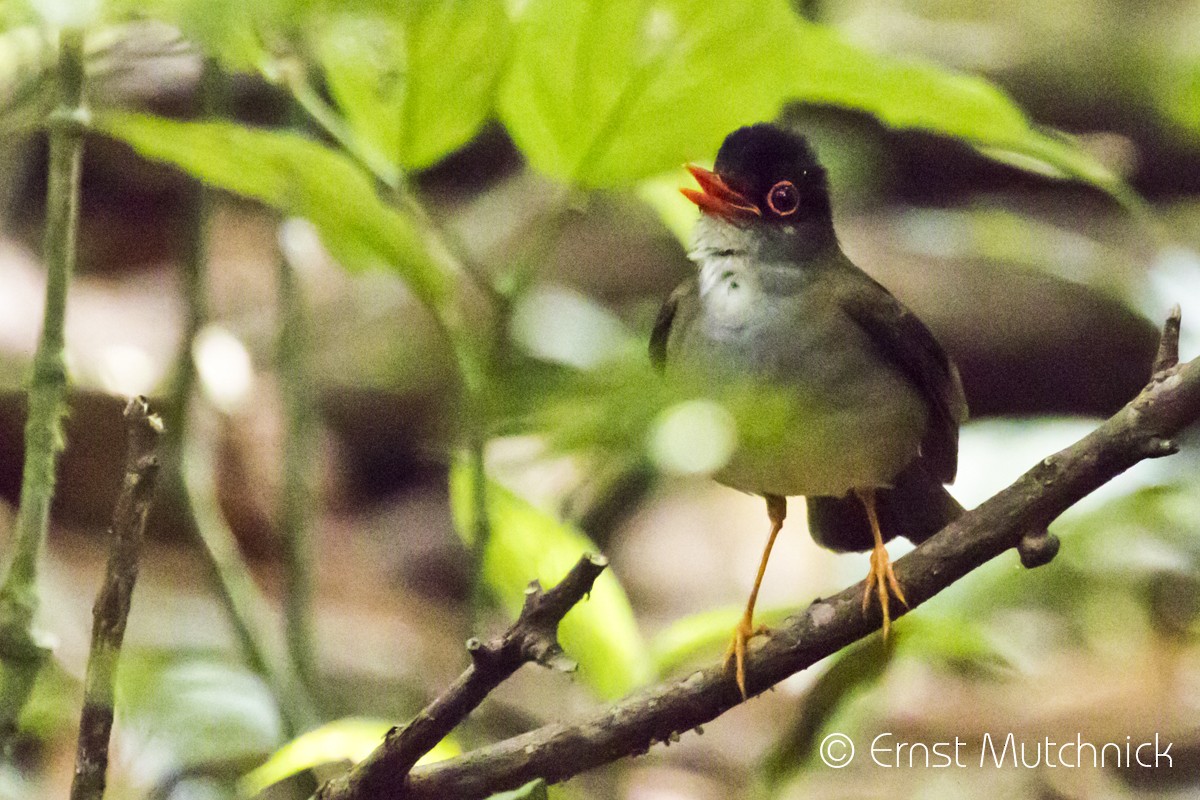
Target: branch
[(297, 507), (533, 637), (112, 603), (555, 752), (22, 652), (247, 609), (187, 461), (1168, 345)]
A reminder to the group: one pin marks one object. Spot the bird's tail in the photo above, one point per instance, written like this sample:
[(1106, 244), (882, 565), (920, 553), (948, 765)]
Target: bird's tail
[(916, 507)]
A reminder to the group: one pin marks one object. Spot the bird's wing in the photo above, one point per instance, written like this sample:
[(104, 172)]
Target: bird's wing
[(906, 342), (666, 318)]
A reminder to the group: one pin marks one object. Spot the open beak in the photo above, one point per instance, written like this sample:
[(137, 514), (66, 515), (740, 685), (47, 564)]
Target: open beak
[(715, 196)]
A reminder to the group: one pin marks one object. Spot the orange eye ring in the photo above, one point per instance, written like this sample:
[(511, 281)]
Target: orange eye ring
[(784, 198)]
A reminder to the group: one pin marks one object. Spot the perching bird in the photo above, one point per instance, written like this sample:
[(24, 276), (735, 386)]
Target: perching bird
[(776, 300)]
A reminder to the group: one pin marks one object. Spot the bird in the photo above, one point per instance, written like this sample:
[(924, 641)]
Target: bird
[(776, 300)]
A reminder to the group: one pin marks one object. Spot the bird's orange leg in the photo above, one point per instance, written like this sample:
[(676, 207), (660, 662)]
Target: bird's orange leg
[(881, 578), (776, 511)]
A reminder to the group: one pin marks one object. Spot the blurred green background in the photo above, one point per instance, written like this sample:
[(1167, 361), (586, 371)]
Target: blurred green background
[(476, 204)]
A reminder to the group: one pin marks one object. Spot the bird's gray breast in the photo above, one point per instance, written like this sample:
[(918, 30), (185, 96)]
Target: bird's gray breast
[(857, 422)]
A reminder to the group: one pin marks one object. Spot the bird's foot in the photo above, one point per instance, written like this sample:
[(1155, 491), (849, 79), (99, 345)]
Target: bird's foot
[(736, 652), (881, 581)]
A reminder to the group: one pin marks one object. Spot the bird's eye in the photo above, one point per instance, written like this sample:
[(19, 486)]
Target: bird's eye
[(784, 198)]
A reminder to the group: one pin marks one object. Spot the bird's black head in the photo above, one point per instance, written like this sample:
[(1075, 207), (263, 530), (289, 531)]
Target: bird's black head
[(764, 173)]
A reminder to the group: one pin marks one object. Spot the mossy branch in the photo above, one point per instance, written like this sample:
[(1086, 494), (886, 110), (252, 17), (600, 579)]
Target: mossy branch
[(21, 654)]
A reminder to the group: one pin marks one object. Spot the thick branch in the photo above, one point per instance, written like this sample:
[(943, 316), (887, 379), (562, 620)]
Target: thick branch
[(112, 603), (1142, 429), (533, 637)]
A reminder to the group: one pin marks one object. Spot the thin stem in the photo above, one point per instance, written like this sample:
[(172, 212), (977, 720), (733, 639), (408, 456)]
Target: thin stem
[(188, 467), (195, 292), (20, 654), (111, 610), (481, 523), (297, 508), (473, 356), (329, 121), (245, 606)]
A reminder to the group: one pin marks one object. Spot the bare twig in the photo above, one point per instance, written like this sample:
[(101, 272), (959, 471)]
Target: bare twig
[(533, 637), (1142, 429), (112, 603)]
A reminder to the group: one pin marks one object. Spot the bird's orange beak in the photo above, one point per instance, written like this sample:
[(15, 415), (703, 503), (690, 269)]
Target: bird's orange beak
[(716, 197)]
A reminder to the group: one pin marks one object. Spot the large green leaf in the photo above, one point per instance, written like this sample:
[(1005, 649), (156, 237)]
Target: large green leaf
[(297, 176), (417, 80), (605, 94), (526, 544), (912, 94)]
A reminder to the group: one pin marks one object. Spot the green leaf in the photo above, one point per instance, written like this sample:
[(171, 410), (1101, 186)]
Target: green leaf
[(604, 94), (345, 740), (296, 176), (912, 94), (195, 709), (527, 544), (953, 642), (233, 32), (675, 211), (26, 58), (415, 81), (534, 790), (704, 634)]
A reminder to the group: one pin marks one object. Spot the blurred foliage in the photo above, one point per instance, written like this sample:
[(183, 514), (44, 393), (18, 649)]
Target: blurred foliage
[(341, 742), (703, 634), (390, 76), (297, 176), (25, 58), (957, 645), (1098, 586), (527, 544), (853, 669), (534, 790), (596, 120), (185, 711)]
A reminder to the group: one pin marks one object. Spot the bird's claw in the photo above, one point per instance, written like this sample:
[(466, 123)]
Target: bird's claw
[(742, 634), (881, 581)]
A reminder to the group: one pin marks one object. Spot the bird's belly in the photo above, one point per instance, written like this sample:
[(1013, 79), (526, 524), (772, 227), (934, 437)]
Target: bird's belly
[(831, 451), (857, 420)]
